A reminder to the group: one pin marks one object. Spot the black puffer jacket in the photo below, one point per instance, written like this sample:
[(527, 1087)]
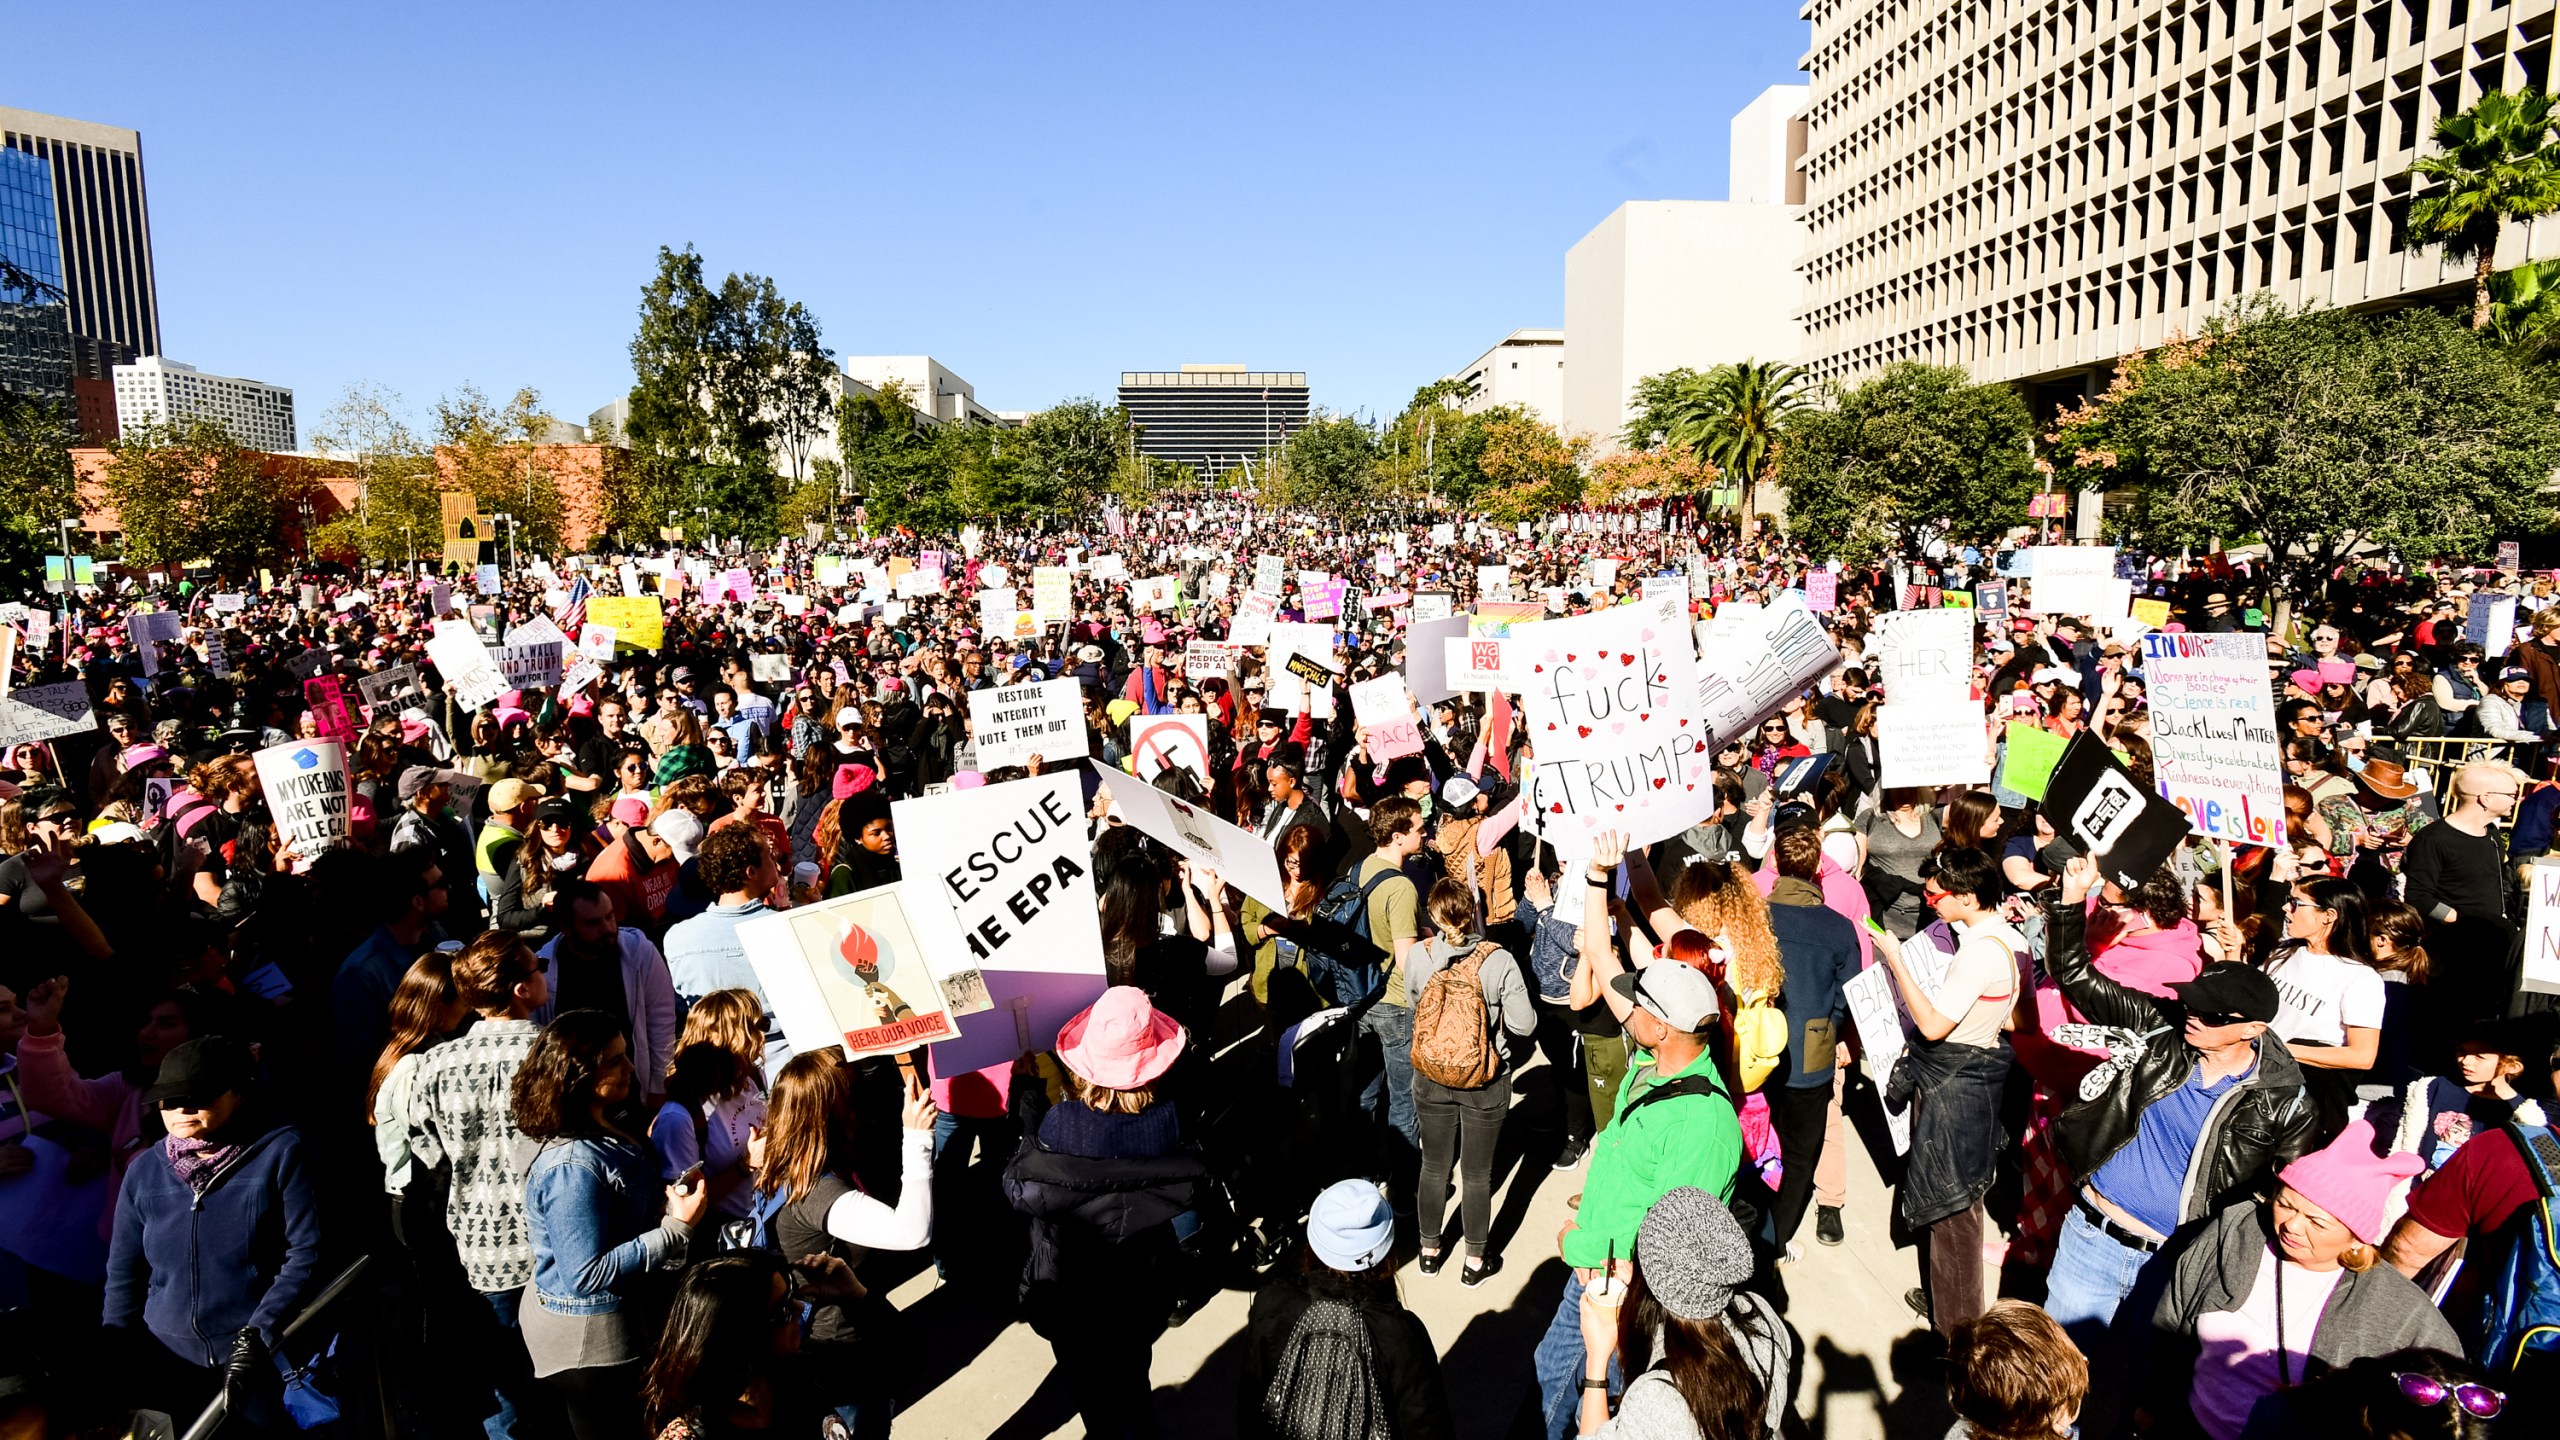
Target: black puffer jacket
[(2254, 1130), (1102, 1191)]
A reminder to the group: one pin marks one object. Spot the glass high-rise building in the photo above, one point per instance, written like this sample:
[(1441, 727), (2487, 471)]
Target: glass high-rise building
[(35, 329), (1213, 418), (102, 221)]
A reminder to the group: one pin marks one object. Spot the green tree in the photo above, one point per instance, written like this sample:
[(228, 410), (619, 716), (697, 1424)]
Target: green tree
[(1916, 453), (1664, 404), (2494, 162), (36, 484), (1078, 446), (1327, 464), (396, 509), (2321, 434), (495, 452), (1529, 471), (727, 377), (189, 492), (1730, 416)]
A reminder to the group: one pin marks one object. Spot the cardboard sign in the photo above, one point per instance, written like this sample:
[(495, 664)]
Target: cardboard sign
[(1015, 722), (1386, 600), (2077, 580), (147, 631), (1052, 594), (326, 697), (1764, 660), (995, 607), (306, 786), (850, 972), (1238, 856), (1255, 614), (1991, 597), (1158, 743), (2491, 621), (1156, 592), (769, 668), (1426, 656), (1822, 591), (470, 677), (1209, 659), (2027, 765), (2213, 734), (1493, 582), (2542, 928), (1385, 711), (34, 713), (1618, 745), (391, 690), (2152, 614), (1921, 655), (1290, 687), (229, 603), (530, 667), (1108, 567), (1935, 741), (1496, 619), (1269, 574), (1431, 605), (595, 642), (638, 622), (2092, 800)]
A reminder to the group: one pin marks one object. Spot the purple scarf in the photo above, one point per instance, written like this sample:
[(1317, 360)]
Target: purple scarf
[(197, 1161)]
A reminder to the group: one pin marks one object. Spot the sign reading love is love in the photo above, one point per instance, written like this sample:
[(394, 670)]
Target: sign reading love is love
[(1618, 744)]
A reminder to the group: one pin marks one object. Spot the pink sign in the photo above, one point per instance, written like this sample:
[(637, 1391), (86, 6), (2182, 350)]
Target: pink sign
[(1821, 590), (326, 696)]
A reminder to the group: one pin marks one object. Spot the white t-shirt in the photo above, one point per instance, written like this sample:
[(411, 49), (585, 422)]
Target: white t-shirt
[(2239, 1367), (1981, 981), (2324, 995)]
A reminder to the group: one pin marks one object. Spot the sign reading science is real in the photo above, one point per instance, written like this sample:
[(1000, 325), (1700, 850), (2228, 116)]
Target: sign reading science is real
[(1614, 725)]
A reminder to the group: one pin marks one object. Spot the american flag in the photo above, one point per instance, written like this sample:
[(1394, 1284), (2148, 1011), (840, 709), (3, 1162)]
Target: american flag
[(573, 615)]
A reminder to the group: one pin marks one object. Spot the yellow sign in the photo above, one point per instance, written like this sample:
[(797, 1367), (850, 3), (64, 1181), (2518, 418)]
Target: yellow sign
[(2152, 613), (464, 528), (639, 622)]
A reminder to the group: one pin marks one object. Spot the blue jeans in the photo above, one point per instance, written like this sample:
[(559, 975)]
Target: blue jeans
[(1400, 1143), (1558, 1362), (2090, 1277)]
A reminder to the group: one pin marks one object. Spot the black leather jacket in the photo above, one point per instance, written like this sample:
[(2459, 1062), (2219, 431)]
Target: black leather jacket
[(2254, 1130)]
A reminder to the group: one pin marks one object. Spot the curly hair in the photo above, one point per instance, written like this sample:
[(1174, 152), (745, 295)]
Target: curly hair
[(553, 1087), (733, 1020), (1720, 900), (729, 856)]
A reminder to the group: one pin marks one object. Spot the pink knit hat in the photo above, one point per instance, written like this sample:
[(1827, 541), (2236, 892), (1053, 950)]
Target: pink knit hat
[(2351, 1182)]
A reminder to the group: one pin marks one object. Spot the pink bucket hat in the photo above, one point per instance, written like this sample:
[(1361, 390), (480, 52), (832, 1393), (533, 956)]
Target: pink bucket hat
[(2351, 1182), (1121, 1041)]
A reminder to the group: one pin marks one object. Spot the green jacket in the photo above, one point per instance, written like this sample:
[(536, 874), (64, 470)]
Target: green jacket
[(1694, 1140)]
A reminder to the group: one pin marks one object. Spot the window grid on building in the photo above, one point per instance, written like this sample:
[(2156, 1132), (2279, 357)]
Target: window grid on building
[(2027, 187), (1214, 420)]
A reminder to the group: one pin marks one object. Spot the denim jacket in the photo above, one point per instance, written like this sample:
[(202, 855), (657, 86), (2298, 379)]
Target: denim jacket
[(594, 1211)]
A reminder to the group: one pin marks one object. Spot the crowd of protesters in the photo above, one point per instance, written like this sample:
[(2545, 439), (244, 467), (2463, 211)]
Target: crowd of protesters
[(2262, 1137)]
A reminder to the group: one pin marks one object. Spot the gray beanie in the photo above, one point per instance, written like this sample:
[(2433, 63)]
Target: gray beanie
[(1692, 1253)]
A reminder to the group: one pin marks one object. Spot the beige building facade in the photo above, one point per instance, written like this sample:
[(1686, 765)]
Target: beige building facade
[(2034, 188)]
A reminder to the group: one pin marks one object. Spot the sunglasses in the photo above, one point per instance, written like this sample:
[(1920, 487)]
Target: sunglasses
[(2216, 1019), (2475, 1400)]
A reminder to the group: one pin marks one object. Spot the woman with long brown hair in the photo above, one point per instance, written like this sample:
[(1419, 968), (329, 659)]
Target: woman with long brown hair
[(1701, 1355), (1301, 882), (805, 1180), (715, 1099), (425, 1008)]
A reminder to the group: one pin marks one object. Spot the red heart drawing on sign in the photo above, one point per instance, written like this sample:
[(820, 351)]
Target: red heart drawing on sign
[(1583, 730), (1661, 781), (1626, 659), (1558, 807)]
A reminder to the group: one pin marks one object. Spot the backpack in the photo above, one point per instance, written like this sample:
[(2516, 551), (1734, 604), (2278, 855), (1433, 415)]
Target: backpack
[(1350, 979), (2520, 1305), (1452, 1035), (1759, 1039), (1325, 1384)]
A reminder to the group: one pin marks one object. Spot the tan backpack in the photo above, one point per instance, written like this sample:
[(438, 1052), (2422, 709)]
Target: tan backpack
[(1452, 1036)]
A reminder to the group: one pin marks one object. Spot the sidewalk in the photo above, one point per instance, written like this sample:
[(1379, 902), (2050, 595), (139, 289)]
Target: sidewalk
[(1863, 1372)]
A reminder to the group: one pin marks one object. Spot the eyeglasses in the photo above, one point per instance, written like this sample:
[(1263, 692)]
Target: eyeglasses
[(2475, 1400)]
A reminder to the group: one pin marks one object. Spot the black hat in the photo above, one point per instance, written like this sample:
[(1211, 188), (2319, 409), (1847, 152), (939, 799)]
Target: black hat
[(2231, 989), (201, 1070), (559, 811)]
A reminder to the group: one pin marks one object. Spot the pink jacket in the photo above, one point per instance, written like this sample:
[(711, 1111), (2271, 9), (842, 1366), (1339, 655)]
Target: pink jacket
[(110, 1103), (2150, 961)]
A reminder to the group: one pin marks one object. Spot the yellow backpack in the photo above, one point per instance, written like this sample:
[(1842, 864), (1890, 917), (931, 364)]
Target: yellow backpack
[(1759, 1038)]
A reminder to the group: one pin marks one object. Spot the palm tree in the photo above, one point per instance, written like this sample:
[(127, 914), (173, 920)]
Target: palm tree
[(2494, 162), (1735, 421)]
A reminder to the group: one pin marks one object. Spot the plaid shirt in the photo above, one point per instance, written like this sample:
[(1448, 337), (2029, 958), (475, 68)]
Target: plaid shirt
[(460, 1119)]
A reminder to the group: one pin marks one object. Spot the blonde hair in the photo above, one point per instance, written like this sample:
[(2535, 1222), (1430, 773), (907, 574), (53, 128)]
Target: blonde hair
[(733, 1020), (1721, 900), (1107, 1100)]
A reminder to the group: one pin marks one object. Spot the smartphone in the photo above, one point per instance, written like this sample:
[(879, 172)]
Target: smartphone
[(690, 1180)]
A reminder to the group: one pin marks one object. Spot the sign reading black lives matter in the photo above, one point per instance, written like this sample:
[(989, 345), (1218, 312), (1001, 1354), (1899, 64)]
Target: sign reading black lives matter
[(2094, 802), (1015, 722)]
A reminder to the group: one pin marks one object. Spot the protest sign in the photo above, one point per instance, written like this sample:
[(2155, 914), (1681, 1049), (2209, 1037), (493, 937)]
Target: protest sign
[(638, 622), (146, 632), (1474, 663), (33, 713), (1289, 688), (1991, 597), (1386, 600), (1158, 743), (769, 668), (2542, 928), (485, 580), (1433, 605), (1016, 722), (1326, 602), (1822, 591), (1493, 582), (539, 630), (1495, 619), (1385, 711), (1156, 592), (469, 675), (1311, 581), (2491, 621), (1935, 741), (2151, 614), (2078, 580), (1240, 858), (530, 667), (229, 602), (1269, 575), (2093, 802), (995, 608), (2028, 762), (1617, 745), (595, 641), (326, 697), (306, 786), (918, 584), (392, 690), (1209, 659), (1921, 654), (1766, 659), (849, 971), (1426, 657), (1253, 620), (2213, 734), (999, 879)]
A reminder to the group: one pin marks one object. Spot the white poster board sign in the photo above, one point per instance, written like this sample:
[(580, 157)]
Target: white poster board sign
[(306, 787), (1617, 740), (2213, 734), (1384, 709), (469, 674), (1158, 743), (1921, 655), (852, 972), (1015, 722), (1255, 614), (1009, 866), (1932, 742), (1239, 857), (2542, 929), (1773, 655)]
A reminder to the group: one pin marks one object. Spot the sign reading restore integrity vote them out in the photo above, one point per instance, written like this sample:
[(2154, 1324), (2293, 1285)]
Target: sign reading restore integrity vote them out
[(1016, 722)]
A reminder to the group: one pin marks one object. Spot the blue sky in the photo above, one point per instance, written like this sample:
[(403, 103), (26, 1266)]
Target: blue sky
[(1039, 195)]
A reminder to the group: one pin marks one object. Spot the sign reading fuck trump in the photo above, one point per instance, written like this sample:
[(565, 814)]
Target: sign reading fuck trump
[(1616, 740)]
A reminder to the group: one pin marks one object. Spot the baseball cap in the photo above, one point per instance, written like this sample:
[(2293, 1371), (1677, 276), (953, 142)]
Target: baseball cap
[(1671, 991), (2230, 989), (511, 793)]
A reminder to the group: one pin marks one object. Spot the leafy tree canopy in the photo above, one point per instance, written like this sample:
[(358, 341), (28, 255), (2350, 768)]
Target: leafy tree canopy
[(187, 491), (1915, 453)]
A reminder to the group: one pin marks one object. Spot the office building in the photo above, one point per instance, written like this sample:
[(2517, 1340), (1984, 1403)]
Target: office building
[(35, 328), (1673, 284), (102, 222), (1213, 418), (2032, 190), (156, 390), (1524, 368), (938, 394)]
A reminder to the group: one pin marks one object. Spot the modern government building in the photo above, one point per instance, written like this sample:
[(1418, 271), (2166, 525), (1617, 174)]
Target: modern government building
[(1213, 418)]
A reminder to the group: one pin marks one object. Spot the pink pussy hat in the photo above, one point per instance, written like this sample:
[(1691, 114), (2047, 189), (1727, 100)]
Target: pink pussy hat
[(2351, 1182)]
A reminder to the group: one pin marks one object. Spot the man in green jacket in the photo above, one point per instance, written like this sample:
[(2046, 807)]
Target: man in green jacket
[(1689, 1134)]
